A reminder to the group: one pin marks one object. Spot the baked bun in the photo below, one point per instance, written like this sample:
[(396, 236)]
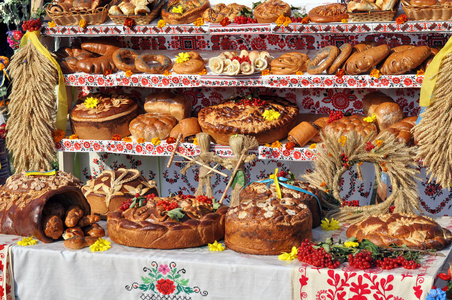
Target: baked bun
[(98, 65), (349, 124), (402, 130), (166, 102), (362, 5), (414, 231), (401, 62), (220, 11), (149, 126), (269, 11), (320, 124), (302, 133), (334, 12), (372, 100), (289, 63), (194, 65), (424, 2), (387, 114), (188, 127), (362, 62), (385, 4), (192, 9)]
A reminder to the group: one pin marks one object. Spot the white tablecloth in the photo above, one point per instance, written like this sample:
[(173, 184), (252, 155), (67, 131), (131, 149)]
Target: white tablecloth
[(50, 271)]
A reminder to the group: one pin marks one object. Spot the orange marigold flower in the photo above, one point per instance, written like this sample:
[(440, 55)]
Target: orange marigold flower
[(287, 21), (167, 73), (383, 164), (141, 140), (265, 72), (281, 19), (329, 154), (384, 169), (313, 146), (58, 135), (73, 137), (108, 72), (375, 73), (170, 140), (267, 145), (401, 19), (52, 24), (340, 73), (82, 23), (161, 23), (305, 20), (344, 21), (116, 137), (323, 184), (299, 73), (203, 72), (342, 140), (127, 139), (129, 73), (129, 22), (378, 143), (199, 22), (420, 72), (276, 144), (225, 22), (195, 141), (290, 145)]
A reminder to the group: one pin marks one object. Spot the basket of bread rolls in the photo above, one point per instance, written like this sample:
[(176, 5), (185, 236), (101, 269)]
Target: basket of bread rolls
[(429, 10), (371, 10), (142, 12), (71, 12)]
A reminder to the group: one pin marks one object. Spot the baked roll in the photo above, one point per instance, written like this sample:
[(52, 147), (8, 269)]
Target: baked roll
[(302, 133), (149, 126), (169, 103), (269, 11)]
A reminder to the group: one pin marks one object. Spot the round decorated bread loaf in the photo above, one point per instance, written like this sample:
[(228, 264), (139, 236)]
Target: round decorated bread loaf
[(269, 11), (334, 12), (401, 229), (149, 126), (106, 192), (184, 11), (168, 223), (100, 117), (349, 124)]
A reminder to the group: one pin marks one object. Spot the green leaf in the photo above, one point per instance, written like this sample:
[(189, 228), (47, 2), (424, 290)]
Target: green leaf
[(294, 7), (144, 287), (368, 245), (176, 214), (177, 276), (239, 178), (245, 12), (327, 248), (146, 280), (255, 4), (184, 282), (298, 14), (188, 290)]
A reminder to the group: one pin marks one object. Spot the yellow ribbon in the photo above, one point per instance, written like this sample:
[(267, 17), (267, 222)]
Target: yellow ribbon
[(275, 179), (431, 75), (61, 118), (38, 173)]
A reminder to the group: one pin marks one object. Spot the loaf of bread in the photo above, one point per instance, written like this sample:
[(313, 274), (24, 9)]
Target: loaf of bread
[(402, 130), (349, 124), (149, 126), (98, 64), (168, 103), (188, 127), (269, 11), (388, 113), (401, 229), (191, 10), (334, 12), (372, 100), (361, 62), (401, 62), (320, 124), (302, 133)]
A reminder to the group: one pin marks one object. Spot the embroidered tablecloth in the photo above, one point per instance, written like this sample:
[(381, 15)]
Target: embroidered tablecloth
[(50, 271)]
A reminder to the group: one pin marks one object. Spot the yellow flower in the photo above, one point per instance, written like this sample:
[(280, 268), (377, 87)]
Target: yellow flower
[(313, 146), (375, 73), (287, 21), (91, 102), (370, 119), (155, 141), (276, 144), (167, 73), (420, 72), (182, 57), (299, 73), (281, 19), (289, 256), (271, 114), (177, 10), (127, 139), (100, 245), (161, 23), (199, 22), (141, 141), (267, 145), (73, 137), (195, 141), (344, 20), (203, 72), (378, 143), (216, 246), (27, 241), (342, 140), (52, 24), (82, 23), (129, 73), (265, 72), (351, 244), (330, 225)]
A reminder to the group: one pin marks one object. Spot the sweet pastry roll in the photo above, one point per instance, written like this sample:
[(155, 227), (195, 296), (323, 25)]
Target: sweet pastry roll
[(334, 12), (127, 8), (220, 11), (184, 11), (115, 11), (85, 4), (349, 124), (362, 5), (269, 11), (302, 133), (345, 51), (386, 4), (71, 232), (361, 62), (53, 227), (246, 68), (413, 231), (319, 124), (94, 230), (232, 67), (402, 130), (216, 65), (261, 63), (227, 54), (141, 10), (166, 102), (75, 243), (323, 60), (150, 125), (194, 65), (73, 215), (98, 65), (401, 62)]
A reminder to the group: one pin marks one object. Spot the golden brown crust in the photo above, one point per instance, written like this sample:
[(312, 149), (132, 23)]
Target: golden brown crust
[(401, 229), (346, 50), (222, 120), (354, 123), (192, 9), (289, 63), (73, 215), (403, 61), (220, 11), (388, 113), (361, 62), (141, 63), (323, 60), (302, 133), (98, 65), (124, 59), (192, 66), (270, 10), (334, 12), (372, 100), (166, 102), (150, 227), (149, 126), (53, 227)]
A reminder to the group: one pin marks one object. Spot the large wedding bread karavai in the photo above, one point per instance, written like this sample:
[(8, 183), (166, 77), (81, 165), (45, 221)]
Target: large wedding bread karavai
[(168, 223), (401, 229)]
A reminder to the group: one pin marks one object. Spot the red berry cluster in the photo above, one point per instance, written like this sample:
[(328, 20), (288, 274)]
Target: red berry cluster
[(244, 20), (185, 196), (389, 263), (316, 257), (391, 208), (150, 196), (296, 20), (32, 25), (369, 146), (335, 115), (168, 205), (242, 59), (205, 199), (344, 159), (125, 205), (252, 102), (354, 203), (282, 174), (361, 260)]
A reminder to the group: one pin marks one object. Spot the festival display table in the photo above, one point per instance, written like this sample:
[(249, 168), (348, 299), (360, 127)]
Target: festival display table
[(51, 271)]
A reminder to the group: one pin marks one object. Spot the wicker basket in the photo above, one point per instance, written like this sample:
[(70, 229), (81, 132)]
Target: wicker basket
[(91, 16), (139, 19), (372, 16), (429, 13)]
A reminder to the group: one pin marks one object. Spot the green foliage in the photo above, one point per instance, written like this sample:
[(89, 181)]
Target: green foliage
[(14, 11), (176, 214)]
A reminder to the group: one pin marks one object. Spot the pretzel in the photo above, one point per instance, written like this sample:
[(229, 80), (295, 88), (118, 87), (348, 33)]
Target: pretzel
[(346, 50), (141, 63), (322, 60), (124, 59)]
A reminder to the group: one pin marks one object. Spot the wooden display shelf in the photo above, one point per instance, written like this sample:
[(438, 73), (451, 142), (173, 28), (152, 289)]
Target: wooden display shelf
[(165, 149), (110, 29), (274, 81)]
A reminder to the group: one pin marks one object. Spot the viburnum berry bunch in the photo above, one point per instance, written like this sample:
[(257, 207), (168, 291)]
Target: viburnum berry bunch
[(242, 59), (168, 205), (252, 102), (354, 203), (244, 20), (317, 257), (335, 115), (32, 25), (205, 199)]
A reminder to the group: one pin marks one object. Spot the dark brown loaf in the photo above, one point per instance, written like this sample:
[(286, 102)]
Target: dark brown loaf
[(53, 227), (401, 229)]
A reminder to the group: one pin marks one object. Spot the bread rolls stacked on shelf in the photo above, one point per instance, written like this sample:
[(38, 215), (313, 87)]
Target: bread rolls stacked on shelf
[(133, 7), (370, 5), (76, 5), (246, 63)]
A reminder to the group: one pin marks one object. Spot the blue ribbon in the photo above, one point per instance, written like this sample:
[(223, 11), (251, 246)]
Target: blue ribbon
[(295, 188)]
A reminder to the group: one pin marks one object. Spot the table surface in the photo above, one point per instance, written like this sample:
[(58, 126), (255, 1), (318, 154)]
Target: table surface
[(51, 271)]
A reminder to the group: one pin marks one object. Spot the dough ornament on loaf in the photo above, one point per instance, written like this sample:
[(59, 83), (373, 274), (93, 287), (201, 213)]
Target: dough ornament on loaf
[(184, 11), (245, 63), (220, 11), (334, 12), (189, 63), (289, 63)]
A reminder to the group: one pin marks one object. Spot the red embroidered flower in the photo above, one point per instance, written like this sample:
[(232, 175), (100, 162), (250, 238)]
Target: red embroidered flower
[(165, 286)]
